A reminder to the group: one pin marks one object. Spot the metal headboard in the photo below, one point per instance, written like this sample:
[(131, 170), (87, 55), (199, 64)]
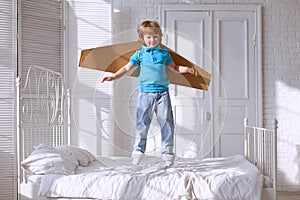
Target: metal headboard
[(42, 112)]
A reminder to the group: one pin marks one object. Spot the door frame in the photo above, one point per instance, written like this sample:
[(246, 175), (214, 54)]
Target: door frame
[(164, 9)]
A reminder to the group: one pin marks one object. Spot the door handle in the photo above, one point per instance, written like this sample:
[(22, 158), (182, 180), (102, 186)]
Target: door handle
[(207, 116)]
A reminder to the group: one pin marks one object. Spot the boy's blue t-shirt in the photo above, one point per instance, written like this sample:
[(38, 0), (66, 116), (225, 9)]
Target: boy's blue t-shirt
[(153, 62)]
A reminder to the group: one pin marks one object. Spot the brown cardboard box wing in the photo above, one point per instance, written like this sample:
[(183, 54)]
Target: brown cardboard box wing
[(111, 58)]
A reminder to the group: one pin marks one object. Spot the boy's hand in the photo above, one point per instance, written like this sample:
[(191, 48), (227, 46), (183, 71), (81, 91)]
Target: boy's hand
[(107, 78), (193, 72)]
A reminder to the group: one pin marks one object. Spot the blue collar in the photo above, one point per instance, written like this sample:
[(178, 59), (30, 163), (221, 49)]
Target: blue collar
[(148, 49)]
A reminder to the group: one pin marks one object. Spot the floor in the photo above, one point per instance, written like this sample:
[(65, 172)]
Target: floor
[(288, 196)]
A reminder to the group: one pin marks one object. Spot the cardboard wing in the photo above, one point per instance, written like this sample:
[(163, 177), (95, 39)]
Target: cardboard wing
[(111, 58)]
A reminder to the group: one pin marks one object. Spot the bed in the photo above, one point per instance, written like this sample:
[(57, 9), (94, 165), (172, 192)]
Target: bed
[(51, 168)]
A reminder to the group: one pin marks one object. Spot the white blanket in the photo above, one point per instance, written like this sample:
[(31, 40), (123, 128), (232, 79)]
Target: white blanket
[(231, 178)]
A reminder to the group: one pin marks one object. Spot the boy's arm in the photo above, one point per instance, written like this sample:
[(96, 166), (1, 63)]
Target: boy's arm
[(119, 73), (182, 69)]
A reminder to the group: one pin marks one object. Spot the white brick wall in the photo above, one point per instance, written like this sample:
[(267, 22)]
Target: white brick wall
[(281, 69), (281, 74)]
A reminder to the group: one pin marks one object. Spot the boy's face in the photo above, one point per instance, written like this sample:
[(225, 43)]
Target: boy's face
[(151, 40)]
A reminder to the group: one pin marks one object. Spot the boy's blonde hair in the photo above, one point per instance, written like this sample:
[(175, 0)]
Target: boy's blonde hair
[(148, 27)]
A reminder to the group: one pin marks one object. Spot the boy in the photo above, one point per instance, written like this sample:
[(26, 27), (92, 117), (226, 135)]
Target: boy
[(153, 90)]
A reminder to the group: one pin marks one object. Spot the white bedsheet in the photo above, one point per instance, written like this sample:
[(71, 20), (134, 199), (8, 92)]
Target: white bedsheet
[(231, 178)]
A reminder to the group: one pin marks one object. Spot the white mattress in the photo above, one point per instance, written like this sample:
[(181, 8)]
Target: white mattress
[(116, 178)]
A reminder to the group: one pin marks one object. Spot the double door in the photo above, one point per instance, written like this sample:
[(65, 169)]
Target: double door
[(224, 41)]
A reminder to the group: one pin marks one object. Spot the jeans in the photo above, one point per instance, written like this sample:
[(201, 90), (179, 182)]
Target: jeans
[(160, 103)]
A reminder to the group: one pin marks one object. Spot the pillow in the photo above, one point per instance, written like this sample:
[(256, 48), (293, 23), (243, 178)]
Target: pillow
[(47, 160), (83, 156)]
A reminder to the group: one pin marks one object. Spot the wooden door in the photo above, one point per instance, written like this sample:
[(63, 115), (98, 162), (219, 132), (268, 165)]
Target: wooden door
[(234, 55), (229, 37), (188, 34)]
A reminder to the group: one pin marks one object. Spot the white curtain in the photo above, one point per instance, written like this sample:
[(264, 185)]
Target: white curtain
[(88, 25)]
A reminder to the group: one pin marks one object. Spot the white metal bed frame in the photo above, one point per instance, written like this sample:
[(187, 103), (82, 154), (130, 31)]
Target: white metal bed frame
[(43, 117), (261, 150)]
